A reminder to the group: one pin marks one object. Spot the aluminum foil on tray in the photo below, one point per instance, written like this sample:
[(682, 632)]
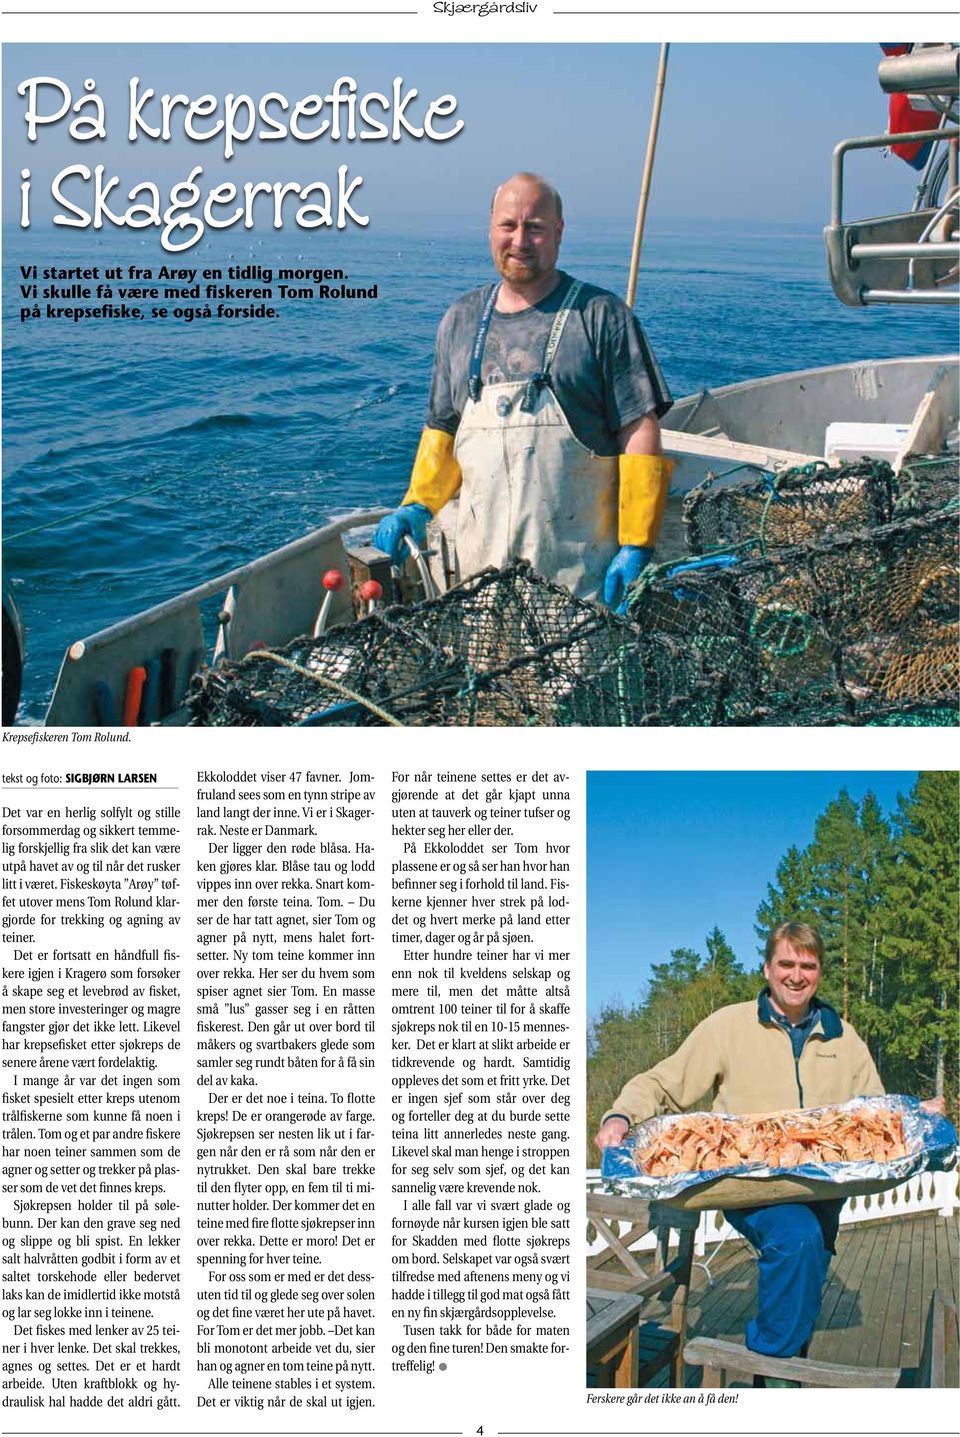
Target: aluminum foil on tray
[(867, 1145)]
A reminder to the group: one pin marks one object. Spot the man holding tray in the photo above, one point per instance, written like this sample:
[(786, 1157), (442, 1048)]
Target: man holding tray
[(787, 1050)]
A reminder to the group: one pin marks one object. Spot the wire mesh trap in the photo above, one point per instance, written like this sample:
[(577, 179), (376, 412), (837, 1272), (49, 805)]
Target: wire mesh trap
[(857, 627), (925, 484), (834, 601), (504, 648), (813, 501)]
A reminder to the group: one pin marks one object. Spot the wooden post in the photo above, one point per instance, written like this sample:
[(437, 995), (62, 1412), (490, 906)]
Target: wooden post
[(647, 175)]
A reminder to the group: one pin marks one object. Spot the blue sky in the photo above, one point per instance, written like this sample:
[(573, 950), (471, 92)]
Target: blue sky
[(672, 854), (747, 130)]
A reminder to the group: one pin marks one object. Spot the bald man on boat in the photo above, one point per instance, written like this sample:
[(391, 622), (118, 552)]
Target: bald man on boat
[(543, 419)]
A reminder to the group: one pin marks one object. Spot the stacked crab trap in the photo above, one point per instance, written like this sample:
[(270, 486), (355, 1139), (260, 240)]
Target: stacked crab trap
[(503, 648), (712, 1160), (821, 596), (817, 596)]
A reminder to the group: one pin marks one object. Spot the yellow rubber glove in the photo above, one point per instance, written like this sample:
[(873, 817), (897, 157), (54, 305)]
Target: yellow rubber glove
[(436, 474), (644, 483)]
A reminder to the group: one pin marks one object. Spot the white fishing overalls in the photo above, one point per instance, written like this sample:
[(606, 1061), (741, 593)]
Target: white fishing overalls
[(530, 489)]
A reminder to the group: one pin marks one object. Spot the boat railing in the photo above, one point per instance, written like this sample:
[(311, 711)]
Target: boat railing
[(926, 1192), (893, 259), (914, 257), (264, 602)]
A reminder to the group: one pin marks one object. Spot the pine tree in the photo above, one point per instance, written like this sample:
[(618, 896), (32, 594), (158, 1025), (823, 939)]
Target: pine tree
[(849, 849), (721, 961), (790, 898), (919, 915), (723, 975)]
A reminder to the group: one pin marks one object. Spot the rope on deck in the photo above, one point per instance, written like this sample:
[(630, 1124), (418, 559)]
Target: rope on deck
[(334, 684)]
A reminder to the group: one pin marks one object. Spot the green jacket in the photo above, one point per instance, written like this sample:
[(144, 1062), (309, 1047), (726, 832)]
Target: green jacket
[(736, 1063)]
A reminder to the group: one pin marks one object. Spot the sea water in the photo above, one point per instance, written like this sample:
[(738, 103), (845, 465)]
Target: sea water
[(259, 430)]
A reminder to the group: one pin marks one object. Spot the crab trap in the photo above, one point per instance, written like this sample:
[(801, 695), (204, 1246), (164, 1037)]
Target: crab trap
[(504, 648), (856, 627), (852, 626), (812, 502)]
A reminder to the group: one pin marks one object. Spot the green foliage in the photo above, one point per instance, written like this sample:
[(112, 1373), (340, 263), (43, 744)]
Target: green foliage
[(918, 1021), (623, 1040), (789, 894), (883, 891)]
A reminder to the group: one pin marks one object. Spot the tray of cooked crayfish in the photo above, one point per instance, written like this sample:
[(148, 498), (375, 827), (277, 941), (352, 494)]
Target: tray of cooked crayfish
[(716, 1160)]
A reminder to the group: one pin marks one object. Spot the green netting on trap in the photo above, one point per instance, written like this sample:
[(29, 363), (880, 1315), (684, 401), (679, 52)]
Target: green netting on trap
[(857, 628), (925, 484), (505, 648), (812, 502)]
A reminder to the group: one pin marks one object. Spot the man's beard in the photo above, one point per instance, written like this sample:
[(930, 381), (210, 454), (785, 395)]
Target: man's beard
[(523, 270)]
